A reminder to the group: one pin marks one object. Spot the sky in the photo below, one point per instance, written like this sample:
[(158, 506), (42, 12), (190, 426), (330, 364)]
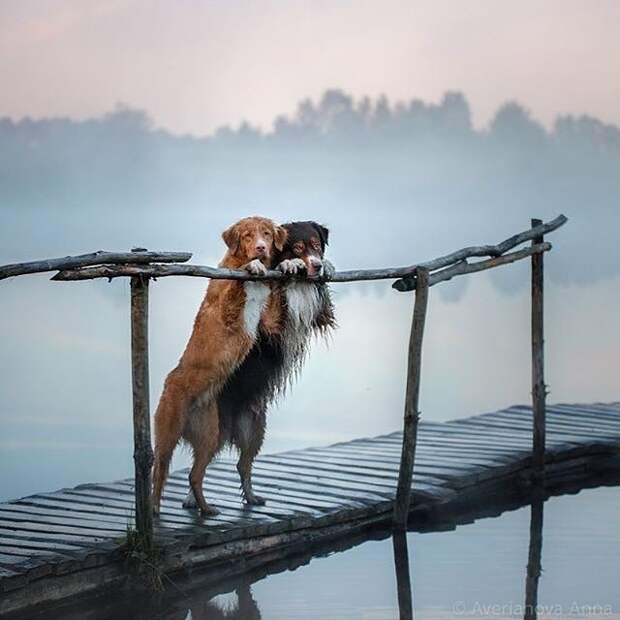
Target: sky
[(198, 65)]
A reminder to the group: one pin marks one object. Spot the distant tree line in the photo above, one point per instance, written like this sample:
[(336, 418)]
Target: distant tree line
[(332, 157)]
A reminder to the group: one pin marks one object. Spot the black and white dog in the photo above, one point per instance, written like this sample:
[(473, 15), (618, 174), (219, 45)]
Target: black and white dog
[(276, 360)]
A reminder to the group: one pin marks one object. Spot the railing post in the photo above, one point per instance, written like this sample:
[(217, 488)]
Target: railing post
[(143, 452), (410, 430), (539, 391)]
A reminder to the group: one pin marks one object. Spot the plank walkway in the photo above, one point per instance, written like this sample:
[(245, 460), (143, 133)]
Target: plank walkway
[(54, 545)]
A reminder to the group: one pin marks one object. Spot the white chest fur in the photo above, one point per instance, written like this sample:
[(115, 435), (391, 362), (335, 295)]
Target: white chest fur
[(256, 295), (303, 303)]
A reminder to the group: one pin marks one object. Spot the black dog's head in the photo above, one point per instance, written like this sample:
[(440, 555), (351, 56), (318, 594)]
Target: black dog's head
[(305, 241)]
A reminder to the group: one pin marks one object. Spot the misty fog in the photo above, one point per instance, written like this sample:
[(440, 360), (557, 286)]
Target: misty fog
[(395, 183)]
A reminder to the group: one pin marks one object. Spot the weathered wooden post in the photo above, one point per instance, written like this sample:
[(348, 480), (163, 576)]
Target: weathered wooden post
[(403, 581), (143, 452), (539, 391), (412, 415)]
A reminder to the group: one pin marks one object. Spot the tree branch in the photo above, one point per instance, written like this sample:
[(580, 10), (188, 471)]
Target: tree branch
[(464, 267), (94, 258), (389, 273), (483, 250), (161, 271)]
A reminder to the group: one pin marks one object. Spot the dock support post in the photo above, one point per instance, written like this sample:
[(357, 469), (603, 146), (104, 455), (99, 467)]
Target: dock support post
[(412, 415), (143, 452), (539, 391)]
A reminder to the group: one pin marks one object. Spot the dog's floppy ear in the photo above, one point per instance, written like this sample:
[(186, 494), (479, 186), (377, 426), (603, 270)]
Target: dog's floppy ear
[(323, 233), (232, 238), (279, 237)]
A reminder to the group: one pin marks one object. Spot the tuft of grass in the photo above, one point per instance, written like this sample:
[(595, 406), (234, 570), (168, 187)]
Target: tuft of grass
[(143, 558)]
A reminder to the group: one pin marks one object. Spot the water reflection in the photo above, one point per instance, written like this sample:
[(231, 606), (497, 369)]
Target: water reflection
[(221, 608), (534, 567), (533, 571), (403, 580), (474, 570)]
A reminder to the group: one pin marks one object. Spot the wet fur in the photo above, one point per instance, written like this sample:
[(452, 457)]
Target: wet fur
[(229, 320), (275, 359)]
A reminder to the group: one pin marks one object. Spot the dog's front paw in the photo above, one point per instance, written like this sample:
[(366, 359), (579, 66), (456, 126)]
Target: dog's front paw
[(256, 268), (292, 265), (328, 270)]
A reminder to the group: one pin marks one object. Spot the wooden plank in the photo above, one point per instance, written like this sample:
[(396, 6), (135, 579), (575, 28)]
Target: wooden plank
[(105, 526), (95, 508), (465, 434), (586, 410), (342, 492), (563, 423), (559, 427), (10, 529), (275, 509), (44, 546), (575, 437), (319, 478), (371, 459), (460, 426), (342, 473), (282, 495), (596, 417), (443, 472), (32, 556), (223, 501), (6, 559), (612, 409), (39, 513), (570, 416), (10, 580), (227, 515), (423, 451), (287, 475), (506, 444)]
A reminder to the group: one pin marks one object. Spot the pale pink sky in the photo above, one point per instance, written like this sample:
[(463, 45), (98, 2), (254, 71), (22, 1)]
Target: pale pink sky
[(195, 65)]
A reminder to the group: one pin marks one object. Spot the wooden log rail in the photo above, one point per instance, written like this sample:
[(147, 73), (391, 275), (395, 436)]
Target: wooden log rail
[(141, 265), (137, 256)]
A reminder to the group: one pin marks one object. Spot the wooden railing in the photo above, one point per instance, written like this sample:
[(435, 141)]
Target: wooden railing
[(141, 266)]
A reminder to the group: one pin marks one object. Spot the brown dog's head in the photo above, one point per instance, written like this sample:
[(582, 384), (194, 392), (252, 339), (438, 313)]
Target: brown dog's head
[(254, 238), (307, 241)]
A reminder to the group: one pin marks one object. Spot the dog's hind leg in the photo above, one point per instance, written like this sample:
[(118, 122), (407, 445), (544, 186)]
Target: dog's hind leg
[(204, 439), (249, 436), (161, 463), (168, 427)]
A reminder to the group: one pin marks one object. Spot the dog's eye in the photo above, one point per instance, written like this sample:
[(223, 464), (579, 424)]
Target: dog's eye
[(267, 234)]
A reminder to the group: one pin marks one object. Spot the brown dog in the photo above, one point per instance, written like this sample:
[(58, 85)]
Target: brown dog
[(224, 331)]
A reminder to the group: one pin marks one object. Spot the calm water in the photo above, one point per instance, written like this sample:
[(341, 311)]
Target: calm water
[(475, 571)]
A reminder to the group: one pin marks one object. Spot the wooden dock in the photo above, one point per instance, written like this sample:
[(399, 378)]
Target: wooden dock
[(59, 544)]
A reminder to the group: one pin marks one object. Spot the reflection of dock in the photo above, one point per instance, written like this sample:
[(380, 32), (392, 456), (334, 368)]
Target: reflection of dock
[(57, 544)]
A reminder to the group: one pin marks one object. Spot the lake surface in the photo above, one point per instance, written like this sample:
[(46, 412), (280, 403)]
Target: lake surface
[(65, 375), (475, 571)]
